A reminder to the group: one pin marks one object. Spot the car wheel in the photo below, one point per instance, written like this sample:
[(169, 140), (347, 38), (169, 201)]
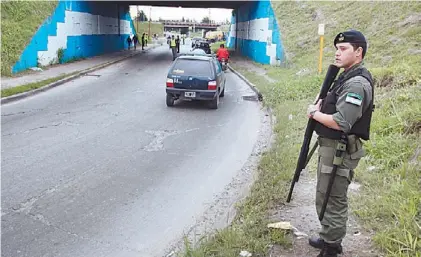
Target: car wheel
[(215, 102), (170, 100), (222, 92)]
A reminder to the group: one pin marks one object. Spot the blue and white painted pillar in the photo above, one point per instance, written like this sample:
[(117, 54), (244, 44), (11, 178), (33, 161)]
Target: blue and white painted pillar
[(79, 29), (255, 31)]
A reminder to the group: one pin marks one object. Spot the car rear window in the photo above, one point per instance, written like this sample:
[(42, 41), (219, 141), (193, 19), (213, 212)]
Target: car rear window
[(191, 67)]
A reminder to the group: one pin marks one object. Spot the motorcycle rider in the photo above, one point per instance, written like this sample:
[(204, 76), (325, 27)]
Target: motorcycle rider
[(222, 53)]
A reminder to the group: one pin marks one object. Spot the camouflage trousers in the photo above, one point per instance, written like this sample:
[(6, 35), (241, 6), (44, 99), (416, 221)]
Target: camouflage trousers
[(336, 215)]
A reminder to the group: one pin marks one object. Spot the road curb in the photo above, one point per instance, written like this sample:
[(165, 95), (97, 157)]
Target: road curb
[(20, 96), (248, 82)]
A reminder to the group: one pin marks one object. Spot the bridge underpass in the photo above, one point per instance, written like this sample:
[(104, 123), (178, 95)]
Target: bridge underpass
[(82, 29), (99, 166)]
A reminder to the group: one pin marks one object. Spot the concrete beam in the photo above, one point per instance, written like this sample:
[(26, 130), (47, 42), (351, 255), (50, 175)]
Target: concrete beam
[(191, 4)]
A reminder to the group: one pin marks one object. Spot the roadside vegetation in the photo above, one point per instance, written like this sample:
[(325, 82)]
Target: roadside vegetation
[(143, 27), (19, 22), (389, 202), (215, 46), (32, 86)]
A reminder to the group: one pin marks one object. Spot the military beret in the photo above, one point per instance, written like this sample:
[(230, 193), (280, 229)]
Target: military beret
[(352, 36)]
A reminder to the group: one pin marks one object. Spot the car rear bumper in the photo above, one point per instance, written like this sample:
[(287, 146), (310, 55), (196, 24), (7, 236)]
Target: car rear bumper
[(199, 94)]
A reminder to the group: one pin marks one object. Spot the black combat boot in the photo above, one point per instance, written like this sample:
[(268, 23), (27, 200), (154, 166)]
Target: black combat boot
[(330, 250), (318, 243)]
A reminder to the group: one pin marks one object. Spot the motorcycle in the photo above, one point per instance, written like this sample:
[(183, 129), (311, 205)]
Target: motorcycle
[(224, 63)]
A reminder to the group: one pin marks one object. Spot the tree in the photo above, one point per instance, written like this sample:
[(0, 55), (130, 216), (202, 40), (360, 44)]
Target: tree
[(205, 19), (141, 16)]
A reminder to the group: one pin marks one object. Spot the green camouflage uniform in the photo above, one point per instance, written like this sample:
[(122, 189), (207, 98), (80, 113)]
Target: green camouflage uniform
[(349, 110)]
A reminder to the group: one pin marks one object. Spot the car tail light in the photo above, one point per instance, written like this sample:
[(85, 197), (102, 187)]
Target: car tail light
[(212, 85), (170, 83)]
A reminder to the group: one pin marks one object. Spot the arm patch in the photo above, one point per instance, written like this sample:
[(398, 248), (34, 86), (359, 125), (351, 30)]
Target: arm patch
[(354, 98)]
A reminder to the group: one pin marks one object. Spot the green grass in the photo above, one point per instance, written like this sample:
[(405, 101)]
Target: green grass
[(19, 22), (31, 86), (143, 27), (215, 46), (389, 203)]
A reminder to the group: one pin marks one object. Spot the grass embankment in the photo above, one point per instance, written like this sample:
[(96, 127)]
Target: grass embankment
[(19, 22), (143, 27), (390, 200)]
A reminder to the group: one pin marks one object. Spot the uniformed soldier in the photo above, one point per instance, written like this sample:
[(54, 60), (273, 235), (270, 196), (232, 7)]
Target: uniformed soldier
[(346, 111), (177, 43)]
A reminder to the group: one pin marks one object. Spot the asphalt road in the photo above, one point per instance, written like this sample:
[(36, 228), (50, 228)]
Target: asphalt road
[(100, 166)]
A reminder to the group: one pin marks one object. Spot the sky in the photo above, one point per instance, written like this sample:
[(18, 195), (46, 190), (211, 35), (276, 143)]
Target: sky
[(175, 13)]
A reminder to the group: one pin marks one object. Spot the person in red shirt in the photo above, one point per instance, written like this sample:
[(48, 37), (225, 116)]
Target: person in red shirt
[(222, 53)]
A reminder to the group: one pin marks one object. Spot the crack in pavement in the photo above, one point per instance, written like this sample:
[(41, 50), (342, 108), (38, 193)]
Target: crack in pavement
[(157, 143), (62, 113), (12, 114), (22, 112), (26, 207), (40, 218), (69, 123)]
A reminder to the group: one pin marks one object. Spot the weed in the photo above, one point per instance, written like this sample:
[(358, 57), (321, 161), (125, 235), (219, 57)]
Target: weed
[(60, 55)]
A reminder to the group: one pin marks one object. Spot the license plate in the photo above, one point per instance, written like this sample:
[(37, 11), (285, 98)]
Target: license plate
[(190, 94)]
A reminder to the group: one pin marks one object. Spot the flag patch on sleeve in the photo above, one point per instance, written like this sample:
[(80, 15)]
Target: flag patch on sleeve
[(354, 99)]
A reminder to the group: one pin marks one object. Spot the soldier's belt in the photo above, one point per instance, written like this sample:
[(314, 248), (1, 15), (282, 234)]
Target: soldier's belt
[(327, 142), (354, 143)]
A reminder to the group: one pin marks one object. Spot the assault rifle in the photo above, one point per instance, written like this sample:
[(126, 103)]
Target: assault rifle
[(304, 157)]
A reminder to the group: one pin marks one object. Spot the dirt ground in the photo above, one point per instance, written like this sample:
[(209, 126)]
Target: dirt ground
[(301, 213)]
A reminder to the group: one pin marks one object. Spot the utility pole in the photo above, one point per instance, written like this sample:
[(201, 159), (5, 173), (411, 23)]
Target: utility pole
[(137, 20), (150, 17), (209, 16)]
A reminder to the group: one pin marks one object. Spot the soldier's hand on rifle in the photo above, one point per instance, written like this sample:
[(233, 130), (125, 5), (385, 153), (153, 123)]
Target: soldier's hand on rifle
[(312, 108), (315, 99)]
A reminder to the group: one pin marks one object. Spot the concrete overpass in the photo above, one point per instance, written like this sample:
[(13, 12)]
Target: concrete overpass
[(185, 27), (89, 28), (191, 4)]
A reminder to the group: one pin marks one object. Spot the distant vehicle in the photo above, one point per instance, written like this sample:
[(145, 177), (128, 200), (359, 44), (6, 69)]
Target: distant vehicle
[(191, 51), (195, 77), (197, 51), (195, 40), (203, 45), (213, 36)]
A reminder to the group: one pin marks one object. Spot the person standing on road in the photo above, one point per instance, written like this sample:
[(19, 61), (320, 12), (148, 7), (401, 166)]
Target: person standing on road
[(135, 41), (173, 46), (143, 41), (129, 41), (177, 42), (345, 112)]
